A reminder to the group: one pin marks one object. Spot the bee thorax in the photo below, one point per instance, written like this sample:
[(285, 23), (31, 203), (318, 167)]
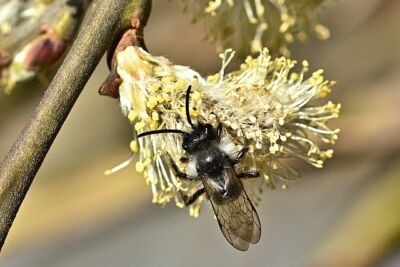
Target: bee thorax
[(210, 161)]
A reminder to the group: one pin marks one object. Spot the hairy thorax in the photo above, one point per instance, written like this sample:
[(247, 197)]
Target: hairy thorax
[(210, 161)]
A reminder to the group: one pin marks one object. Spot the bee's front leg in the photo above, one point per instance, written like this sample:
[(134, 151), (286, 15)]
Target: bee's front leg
[(179, 173), (184, 160), (248, 174), (240, 155), (191, 199)]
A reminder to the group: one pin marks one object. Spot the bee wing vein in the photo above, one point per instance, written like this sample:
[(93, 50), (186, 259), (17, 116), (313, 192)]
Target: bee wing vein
[(237, 217)]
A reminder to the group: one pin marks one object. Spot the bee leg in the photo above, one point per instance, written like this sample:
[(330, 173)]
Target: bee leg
[(241, 154), (182, 175), (248, 174), (219, 132), (190, 199), (179, 173)]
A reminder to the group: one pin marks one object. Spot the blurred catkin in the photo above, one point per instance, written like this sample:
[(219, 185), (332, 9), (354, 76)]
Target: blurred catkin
[(34, 36), (258, 23)]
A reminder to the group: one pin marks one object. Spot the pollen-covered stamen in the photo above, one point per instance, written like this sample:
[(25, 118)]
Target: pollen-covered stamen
[(120, 166)]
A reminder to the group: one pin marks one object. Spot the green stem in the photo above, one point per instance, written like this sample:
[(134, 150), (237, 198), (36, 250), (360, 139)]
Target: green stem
[(20, 165)]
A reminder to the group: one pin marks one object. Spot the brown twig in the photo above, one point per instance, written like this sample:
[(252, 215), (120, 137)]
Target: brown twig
[(19, 167)]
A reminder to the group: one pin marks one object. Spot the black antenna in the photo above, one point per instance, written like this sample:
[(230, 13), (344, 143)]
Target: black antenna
[(160, 131), (174, 130), (187, 106)]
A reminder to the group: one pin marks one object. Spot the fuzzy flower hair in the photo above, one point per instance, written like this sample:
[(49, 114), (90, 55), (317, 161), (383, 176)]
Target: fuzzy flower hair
[(265, 105), (270, 23)]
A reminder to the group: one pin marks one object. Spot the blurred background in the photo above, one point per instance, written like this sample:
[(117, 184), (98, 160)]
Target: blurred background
[(346, 214)]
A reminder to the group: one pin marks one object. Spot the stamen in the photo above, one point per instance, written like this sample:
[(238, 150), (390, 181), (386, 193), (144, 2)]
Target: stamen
[(120, 166)]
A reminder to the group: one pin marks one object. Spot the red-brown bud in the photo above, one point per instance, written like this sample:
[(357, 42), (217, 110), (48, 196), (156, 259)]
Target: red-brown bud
[(5, 60), (44, 52)]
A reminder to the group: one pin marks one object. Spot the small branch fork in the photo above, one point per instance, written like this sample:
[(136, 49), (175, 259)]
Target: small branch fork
[(20, 165)]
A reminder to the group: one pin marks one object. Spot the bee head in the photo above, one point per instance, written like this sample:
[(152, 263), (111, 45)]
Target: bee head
[(201, 135)]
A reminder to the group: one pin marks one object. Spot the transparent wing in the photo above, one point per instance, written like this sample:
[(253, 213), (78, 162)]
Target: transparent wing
[(236, 215)]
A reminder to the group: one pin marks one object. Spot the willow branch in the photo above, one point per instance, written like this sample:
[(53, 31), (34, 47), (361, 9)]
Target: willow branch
[(20, 165)]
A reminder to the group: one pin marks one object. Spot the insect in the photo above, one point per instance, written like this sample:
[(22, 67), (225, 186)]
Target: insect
[(212, 159)]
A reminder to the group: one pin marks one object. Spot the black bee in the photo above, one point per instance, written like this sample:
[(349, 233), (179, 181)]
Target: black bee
[(212, 159)]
